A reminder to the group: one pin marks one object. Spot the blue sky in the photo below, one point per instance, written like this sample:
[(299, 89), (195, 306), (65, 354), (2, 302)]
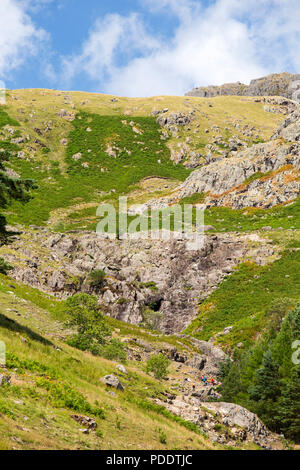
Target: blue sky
[(145, 47)]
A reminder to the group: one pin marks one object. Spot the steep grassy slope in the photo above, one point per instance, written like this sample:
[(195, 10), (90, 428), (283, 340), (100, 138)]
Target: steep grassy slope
[(51, 382)]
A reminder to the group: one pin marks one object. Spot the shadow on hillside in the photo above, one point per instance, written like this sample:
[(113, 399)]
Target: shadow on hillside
[(12, 325)]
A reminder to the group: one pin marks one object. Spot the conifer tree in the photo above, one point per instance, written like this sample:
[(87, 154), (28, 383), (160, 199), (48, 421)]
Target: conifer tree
[(267, 384), (289, 407)]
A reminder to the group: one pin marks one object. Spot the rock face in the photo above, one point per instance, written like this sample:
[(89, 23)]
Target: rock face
[(223, 422), (284, 84), (207, 361), (156, 283), (174, 119), (223, 180), (264, 175), (211, 354), (235, 415)]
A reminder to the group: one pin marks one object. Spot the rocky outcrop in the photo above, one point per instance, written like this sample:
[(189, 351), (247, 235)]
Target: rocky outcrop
[(289, 130), (224, 175), (283, 84), (85, 421), (174, 119), (212, 355), (156, 283), (235, 415), (264, 175), (206, 361), (225, 423)]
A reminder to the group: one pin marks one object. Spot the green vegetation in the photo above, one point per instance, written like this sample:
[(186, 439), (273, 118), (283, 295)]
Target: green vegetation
[(250, 219), (97, 278), (11, 189), (5, 119), (158, 365), (149, 285), (162, 437), (85, 315), (151, 317), (113, 160), (265, 379), (92, 328), (244, 299), (114, 351), (4, 266), (289, 408)]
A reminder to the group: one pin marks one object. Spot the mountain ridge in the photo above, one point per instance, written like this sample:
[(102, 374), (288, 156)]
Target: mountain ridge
[(284, 84)]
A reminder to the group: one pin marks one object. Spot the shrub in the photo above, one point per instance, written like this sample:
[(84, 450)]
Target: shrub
[(162, 437), (4, 266), (97, 278), (118, 424), (149, 285), (151, 319), (62, 395), (85, 315), (158, 365), (114, 350)]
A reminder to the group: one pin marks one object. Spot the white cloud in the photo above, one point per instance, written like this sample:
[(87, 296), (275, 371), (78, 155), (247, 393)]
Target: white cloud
[(112, 36), (228, 40), (19, 37)]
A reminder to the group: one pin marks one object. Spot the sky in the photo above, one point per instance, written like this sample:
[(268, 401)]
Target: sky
[(145, 47)]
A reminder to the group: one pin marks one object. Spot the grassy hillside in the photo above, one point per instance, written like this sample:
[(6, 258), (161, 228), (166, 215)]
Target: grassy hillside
[(119, 143), (51, 381), (82, 149)]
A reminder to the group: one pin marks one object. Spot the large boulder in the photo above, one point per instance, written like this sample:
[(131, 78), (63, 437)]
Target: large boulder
[(225, 423), (112, 381), (235, 415)]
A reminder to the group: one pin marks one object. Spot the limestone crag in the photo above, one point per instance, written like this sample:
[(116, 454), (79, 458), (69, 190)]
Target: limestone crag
[(223, 422), (157, 283), (263, 175), (283, 84)]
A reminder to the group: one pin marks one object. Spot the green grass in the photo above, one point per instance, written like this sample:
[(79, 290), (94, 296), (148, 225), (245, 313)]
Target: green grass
[(6, 119), (243, 300), (250, 219), (49, 384), (34, 296), (138, 158), (224, 219)]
